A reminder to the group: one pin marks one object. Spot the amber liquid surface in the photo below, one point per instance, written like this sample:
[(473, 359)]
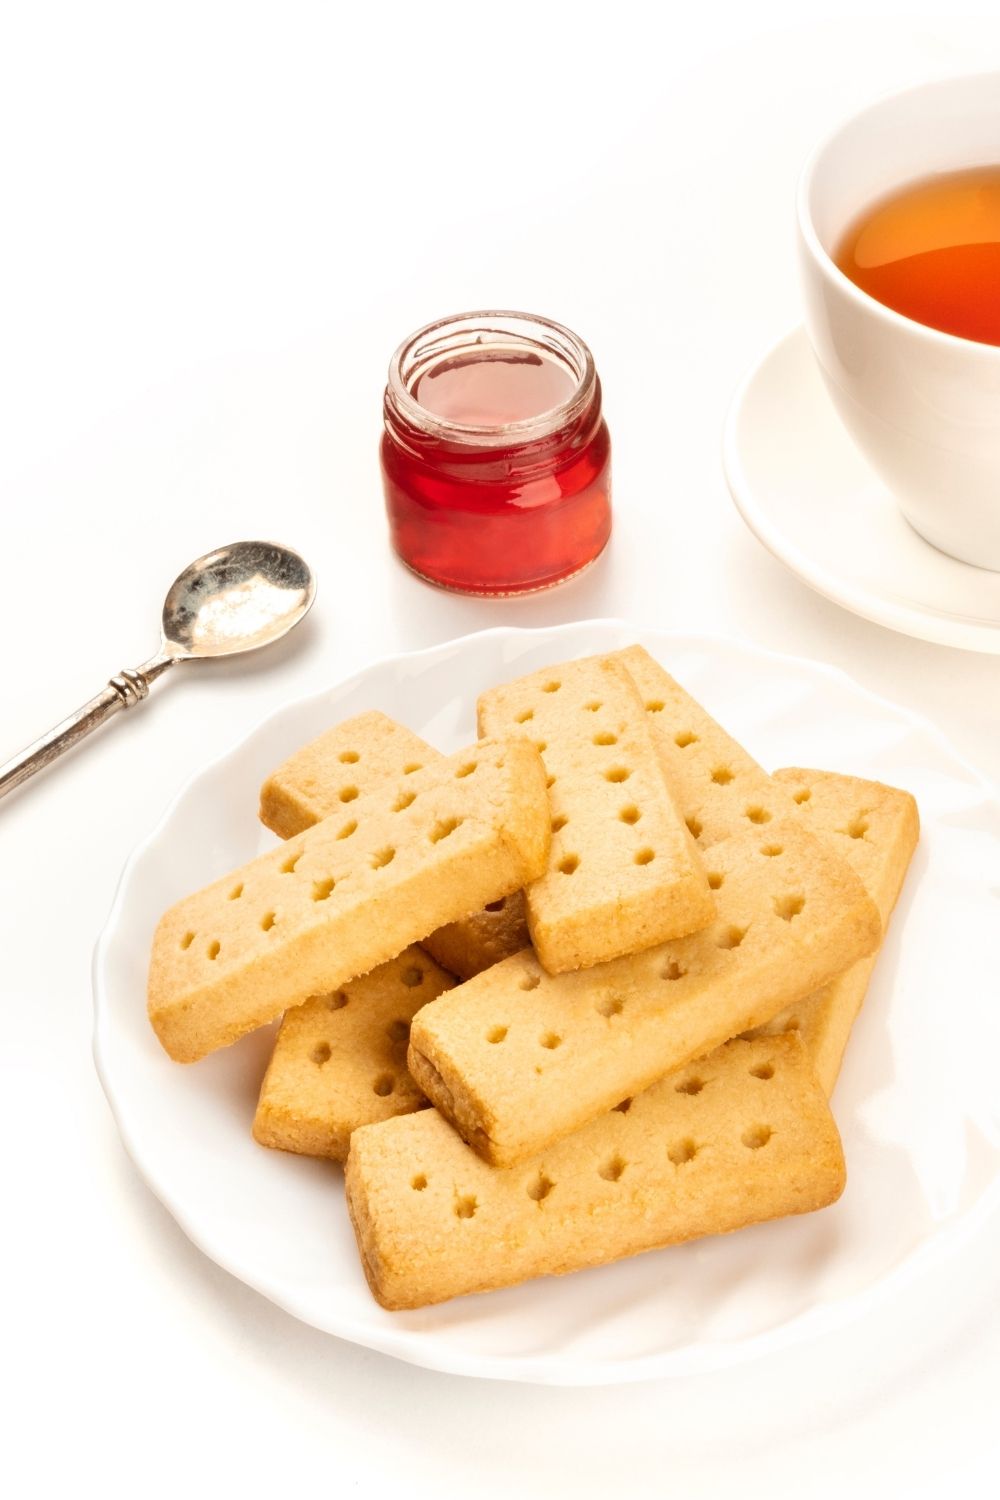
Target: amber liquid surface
[(931, 251)]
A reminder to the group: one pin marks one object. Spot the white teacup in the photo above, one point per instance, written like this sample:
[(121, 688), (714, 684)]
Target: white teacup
[(923, 406)]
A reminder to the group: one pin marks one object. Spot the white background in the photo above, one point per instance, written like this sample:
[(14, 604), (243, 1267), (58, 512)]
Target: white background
[(216, 222)]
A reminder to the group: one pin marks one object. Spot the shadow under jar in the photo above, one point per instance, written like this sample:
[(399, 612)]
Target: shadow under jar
[(496, 459)]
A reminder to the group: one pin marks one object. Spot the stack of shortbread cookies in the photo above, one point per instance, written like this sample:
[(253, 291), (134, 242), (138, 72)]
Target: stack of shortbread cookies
[(619, 959)]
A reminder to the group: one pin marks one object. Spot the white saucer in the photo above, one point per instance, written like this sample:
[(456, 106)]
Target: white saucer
[(805, 492)]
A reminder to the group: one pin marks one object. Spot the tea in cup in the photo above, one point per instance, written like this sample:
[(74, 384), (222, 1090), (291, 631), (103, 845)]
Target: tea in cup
[(899, 241)]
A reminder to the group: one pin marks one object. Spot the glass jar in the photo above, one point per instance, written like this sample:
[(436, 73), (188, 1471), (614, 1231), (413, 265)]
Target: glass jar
[(496, 459)]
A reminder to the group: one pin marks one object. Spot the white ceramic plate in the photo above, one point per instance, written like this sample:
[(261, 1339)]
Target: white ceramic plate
[(805, 492), (917, 1106)]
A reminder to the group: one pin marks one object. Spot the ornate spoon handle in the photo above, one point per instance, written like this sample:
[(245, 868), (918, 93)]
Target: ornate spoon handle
[(128, 688)]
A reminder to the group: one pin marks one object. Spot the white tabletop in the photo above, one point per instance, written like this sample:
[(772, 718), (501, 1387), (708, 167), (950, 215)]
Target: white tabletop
[(219, 220)]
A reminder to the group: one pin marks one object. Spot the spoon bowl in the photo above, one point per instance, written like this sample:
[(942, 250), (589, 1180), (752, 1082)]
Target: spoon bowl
[(236, 599)]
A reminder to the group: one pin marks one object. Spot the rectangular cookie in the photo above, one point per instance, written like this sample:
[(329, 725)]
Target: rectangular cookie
[(744, 1137), (624, 873), (347, 894), (517, 1058), (877, 828), (354, 757), (478, 942), (718, 787), (340, 1060)]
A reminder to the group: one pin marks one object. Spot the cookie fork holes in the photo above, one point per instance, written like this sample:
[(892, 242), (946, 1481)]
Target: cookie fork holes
[(722, 775), (403, 801), (857, 827), (605, 738), (526, 717), (347, 793), (383, 857), (236, 892), (465, 1206), (617, 774), (692, 1085), (348, 829), (802, 795), (322, 888), (550, 1040), (412, 977), (496, 905), (540, 1188), (682, 1151), (756, 1137), (763, 1071), (529, 981), (267, 921), (418, 1183), (569, 865), (320, 1054), (715, 880), (630, 814), (694, 827), (444, 829), (384, 1085), (644, 857), (496, 1034), (731, 937), (674, 970), (757, 814), (288, 865), (789, 907), (559, 823), (186, 941), (612, 1169), (684, 739), (609, 1006)]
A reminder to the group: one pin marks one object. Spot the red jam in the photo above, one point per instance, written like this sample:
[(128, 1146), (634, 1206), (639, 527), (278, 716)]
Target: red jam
[(496, 459)]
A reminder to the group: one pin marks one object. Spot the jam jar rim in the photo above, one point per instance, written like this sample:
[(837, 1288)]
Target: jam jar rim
[(563, 342)]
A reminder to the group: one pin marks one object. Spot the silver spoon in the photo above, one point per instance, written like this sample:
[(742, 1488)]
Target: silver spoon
[(236, 599)]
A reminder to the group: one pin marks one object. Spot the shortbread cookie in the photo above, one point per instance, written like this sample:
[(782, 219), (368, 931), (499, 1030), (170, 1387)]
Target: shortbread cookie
[(356, 756), (517, 1058), (718, 787), (486, 938), (877, 828), (348, 894), (745, 1136), (340, 1059), (353, 758), (624, 872)]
